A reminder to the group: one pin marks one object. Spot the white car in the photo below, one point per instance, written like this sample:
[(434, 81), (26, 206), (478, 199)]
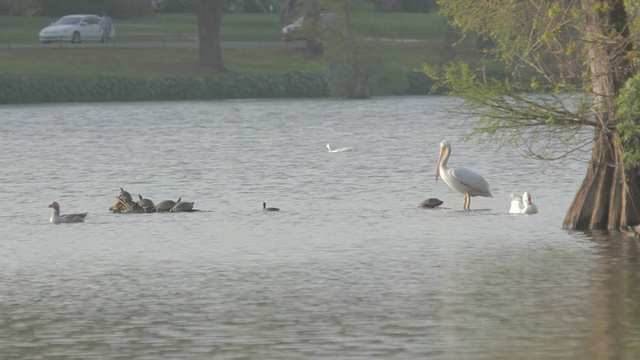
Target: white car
[(75, 29), (291, 31)]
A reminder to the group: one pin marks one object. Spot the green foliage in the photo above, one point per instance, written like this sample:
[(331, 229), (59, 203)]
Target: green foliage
[(423, 6), (354, 70), (347, 74), (19, 89), (421, 84), (255, 6), (296, 84), (628, 116), (365, 73), (173, 6), (525, 115), (315, 27), (527, 37), (20, 7), (539, 97)]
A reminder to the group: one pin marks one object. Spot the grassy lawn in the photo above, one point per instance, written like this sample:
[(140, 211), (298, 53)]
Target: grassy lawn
[(73, 61), (235, 27), (400, 25), (136, 62)]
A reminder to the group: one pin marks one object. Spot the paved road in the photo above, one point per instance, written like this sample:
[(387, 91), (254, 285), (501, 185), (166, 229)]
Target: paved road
[(155, 44)]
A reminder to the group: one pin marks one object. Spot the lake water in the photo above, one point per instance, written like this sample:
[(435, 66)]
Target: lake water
[(350, 268)]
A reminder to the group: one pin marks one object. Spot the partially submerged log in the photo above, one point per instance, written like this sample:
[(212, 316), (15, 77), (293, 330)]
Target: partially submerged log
[(125, 205)]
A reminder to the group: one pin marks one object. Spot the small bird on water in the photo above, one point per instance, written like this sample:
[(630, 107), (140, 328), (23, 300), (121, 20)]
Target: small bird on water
[(265, 208)]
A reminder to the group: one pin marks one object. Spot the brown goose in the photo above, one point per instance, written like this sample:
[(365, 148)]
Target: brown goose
[(56, 218)]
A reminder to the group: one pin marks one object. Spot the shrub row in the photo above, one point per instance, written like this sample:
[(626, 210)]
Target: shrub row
[(17, 90), (39, 90)]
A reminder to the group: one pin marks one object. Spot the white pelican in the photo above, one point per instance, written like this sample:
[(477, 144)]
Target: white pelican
[(56, 218), (338, 149), (462, 180), (522, 204)]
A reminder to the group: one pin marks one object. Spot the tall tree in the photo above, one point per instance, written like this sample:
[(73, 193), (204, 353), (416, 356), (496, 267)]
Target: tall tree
[(287, 11), (351, 65), (314, 28), (610, 195), (26, 8), (209, 13), (567, 63)]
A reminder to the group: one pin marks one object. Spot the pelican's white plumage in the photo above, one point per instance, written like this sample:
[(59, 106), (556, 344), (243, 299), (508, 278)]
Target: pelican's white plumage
[(462, 180), (338, 149), (522, 204)]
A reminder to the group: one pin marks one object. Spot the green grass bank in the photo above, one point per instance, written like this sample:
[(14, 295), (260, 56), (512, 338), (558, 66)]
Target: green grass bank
[(157, 59)]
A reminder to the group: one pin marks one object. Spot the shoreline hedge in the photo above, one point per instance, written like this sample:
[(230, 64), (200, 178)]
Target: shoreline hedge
[(24, 90), (19, 90)]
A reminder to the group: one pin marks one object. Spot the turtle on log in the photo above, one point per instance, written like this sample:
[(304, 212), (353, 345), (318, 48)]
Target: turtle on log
[(146, 204), (124, 195), (166, 205), (182, 206)]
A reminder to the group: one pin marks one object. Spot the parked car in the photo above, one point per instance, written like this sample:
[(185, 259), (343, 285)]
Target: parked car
[(292, 31), (289, 31), (75, 29)]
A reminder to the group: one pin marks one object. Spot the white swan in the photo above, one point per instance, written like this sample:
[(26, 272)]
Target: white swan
[(56, 218), (338, 149), (522, 204)]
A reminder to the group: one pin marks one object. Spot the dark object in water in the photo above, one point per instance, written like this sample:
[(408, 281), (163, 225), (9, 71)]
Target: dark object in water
[(431, 203), (265, 208)]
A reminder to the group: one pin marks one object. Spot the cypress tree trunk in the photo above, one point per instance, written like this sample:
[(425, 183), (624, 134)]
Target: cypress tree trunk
[(609, 195), (209, 14)]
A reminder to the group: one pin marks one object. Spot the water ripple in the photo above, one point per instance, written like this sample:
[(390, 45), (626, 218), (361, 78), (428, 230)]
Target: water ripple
[(349, 268)]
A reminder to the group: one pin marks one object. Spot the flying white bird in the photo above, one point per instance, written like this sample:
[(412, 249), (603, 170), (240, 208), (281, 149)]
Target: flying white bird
[(338, 149)]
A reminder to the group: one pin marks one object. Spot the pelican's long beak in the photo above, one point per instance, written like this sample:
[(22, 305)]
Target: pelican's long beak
[(438, 166)]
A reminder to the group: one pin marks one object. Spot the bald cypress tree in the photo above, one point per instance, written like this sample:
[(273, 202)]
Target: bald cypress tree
[(570, 66)]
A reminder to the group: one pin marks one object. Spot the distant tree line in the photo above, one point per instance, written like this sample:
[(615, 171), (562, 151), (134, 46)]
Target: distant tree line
[(140, 8), (262, 6), (56, 8)]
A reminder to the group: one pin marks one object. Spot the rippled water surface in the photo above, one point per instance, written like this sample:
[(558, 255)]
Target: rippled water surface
[(350, 268)]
